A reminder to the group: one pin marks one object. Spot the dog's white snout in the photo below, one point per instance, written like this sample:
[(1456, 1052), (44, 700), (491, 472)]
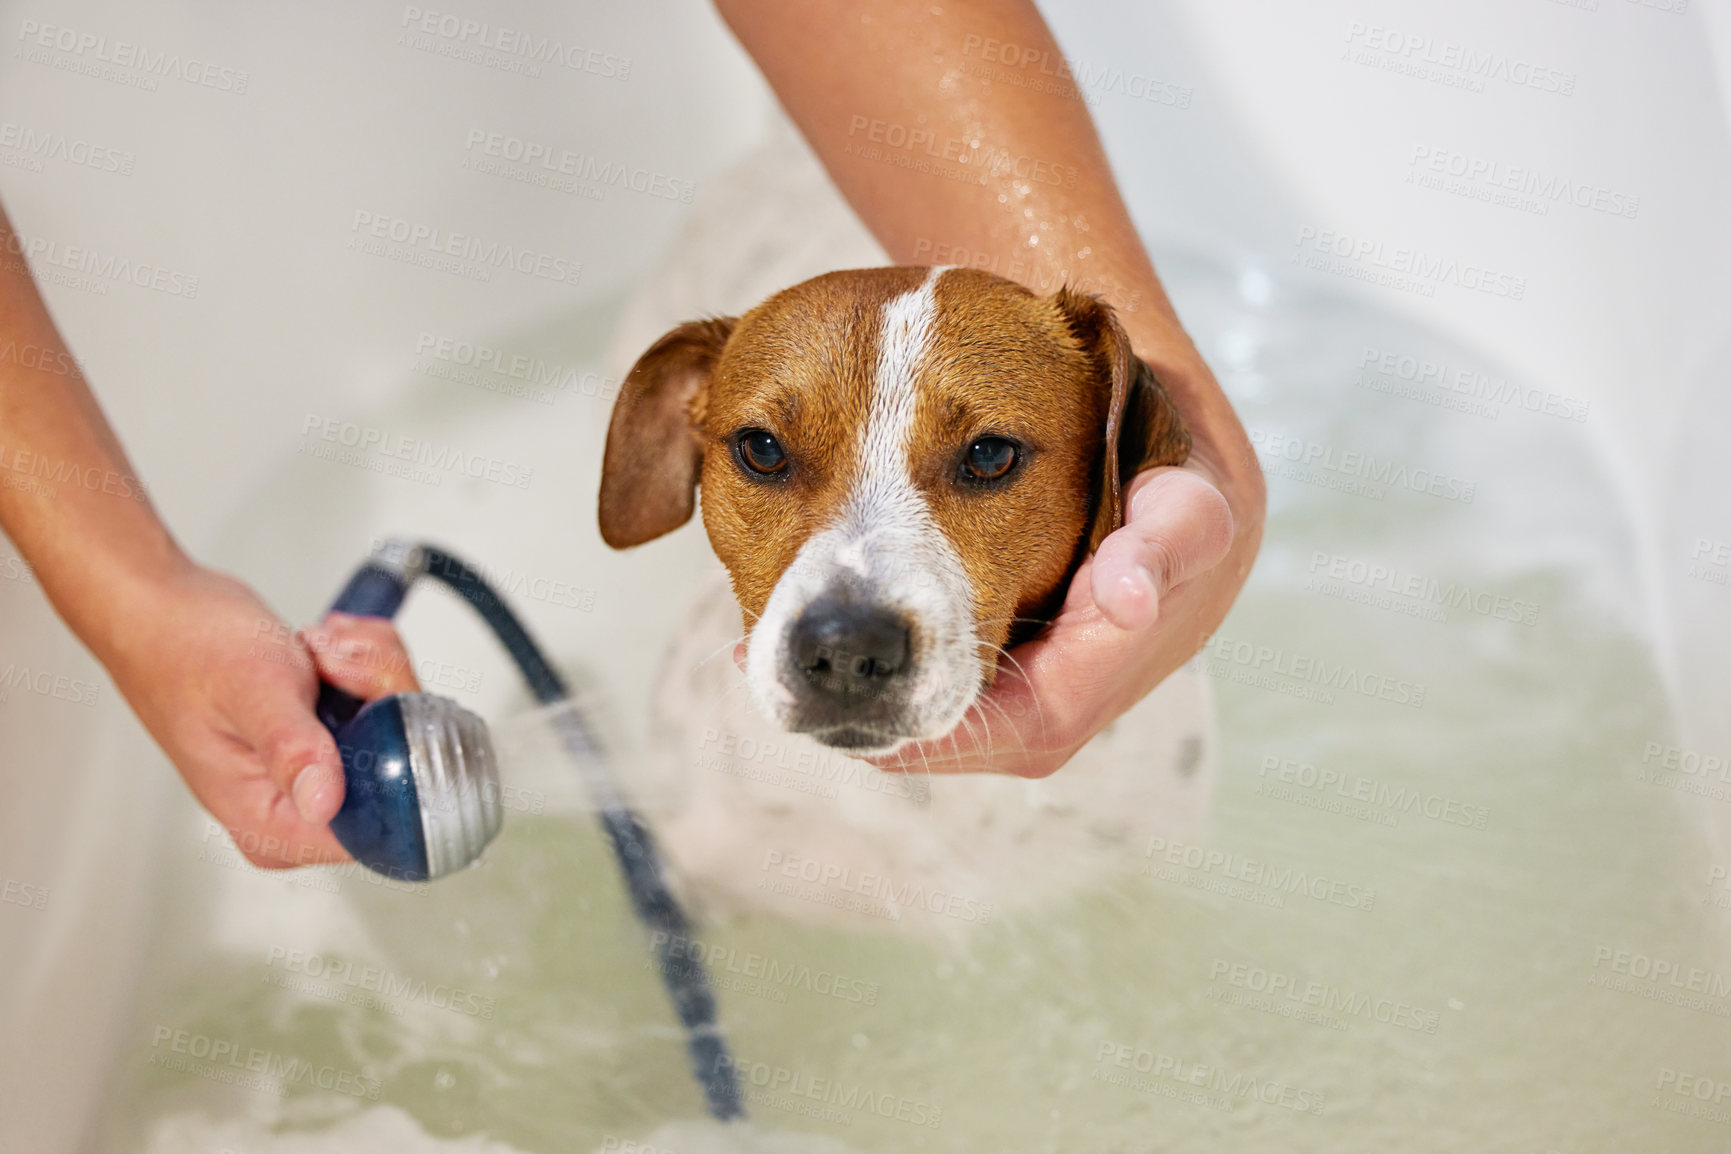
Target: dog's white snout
[(867, 643)]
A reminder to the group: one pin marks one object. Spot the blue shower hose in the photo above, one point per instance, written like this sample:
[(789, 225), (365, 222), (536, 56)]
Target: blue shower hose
[(377, 590)]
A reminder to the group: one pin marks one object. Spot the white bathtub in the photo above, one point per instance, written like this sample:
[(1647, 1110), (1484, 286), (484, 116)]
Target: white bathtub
[(1477, 971)]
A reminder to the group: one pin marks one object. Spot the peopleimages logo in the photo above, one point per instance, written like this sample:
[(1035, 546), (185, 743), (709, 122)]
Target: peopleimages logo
[(34, 356), (1351, 471), (38, 145), (338, 979), (1281, 879), (46, 255), (1710, 561), (478, 365), (26, 466), (251, 1067), (1424, 57), (427, 456), (1387, 370), (894, 896), (534, 156), (676, 953), (1685, 770), (900, 139), (1399, 266), (1229, 1085), (798, 767), (1377, 577), (763, 1082), (1307, 670), (45, 684), (1038, 69), (1661, 979), (17, 893), (1326, 999), (1363, 791), (1512, 185), (447, 34), (88, 52), (430, 246), (1041, 278)]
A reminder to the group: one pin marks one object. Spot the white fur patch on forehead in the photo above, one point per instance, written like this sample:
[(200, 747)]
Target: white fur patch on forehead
[(884, 503), (907, 333)]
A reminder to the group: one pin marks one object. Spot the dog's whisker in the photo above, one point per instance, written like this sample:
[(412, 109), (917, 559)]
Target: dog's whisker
[(1013, 670), (954, 741), (926, 762), (1039, 715), (972, 736), (1013, 620), (739, 689), (1008, 723), (724, 647), (1019, 670), (733, 690)]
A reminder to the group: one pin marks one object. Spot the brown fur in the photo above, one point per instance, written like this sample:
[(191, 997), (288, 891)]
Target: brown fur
[(802, 366), (1055, 373)]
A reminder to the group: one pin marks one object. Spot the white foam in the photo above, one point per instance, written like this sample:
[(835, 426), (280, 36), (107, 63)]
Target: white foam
[(376, 1130), (389, 1130)]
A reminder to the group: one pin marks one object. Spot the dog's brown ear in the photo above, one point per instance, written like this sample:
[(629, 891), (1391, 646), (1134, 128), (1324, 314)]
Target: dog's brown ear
[(649, 473), (1143, 428)]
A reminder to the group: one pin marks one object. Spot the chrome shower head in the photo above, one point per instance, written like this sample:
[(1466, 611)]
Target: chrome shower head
[(423, 787)]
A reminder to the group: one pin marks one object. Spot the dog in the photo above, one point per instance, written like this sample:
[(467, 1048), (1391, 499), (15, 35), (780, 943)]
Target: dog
[(900, 471)]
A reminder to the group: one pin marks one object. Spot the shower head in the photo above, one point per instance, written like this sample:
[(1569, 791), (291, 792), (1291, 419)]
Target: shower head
[(422, 796), (423, 788)]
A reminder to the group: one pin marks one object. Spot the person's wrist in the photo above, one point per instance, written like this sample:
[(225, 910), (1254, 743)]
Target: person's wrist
[(1222, 447), (1219, 444), (139, 600)]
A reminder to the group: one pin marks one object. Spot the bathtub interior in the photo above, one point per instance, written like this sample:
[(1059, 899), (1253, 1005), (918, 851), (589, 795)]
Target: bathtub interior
[(1454, 942), (1504, 945)]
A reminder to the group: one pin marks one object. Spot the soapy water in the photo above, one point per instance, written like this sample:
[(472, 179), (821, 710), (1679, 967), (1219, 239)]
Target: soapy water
[(388, 1130), (1448, 898)]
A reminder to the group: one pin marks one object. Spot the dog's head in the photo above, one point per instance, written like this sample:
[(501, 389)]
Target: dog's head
[(901, 469)]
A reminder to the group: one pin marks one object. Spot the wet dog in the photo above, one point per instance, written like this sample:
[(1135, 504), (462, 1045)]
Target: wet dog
[(901, 469)]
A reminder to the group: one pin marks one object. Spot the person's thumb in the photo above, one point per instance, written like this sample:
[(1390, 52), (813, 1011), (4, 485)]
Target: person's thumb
[(298, 752), (1178, 526)]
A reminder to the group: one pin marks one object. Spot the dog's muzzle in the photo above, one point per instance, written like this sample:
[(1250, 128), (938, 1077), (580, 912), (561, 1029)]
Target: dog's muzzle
[(849, 662), (867, 642)]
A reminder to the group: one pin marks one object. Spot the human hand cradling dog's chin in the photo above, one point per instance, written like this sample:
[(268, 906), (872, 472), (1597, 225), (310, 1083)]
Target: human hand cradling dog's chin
[(1136, 610)]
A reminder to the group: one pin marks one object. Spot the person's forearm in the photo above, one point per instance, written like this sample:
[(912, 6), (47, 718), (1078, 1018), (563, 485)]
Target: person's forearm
[(69, 499), (1014, 173)]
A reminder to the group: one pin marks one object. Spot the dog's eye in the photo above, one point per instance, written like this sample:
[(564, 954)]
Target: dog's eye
[(989, 458), (761, 452)]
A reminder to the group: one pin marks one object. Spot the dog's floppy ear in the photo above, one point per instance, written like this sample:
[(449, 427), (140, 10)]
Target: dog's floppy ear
[(649, 474), (1143, 428)]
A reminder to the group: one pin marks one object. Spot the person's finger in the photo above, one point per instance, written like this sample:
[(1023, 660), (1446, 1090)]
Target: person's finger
[(298, 753), (364, 656), (228, 773), (1178, 526), (268, 831)]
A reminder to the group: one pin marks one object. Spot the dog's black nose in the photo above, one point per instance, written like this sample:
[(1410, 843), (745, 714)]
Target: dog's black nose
[(851, 652)]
